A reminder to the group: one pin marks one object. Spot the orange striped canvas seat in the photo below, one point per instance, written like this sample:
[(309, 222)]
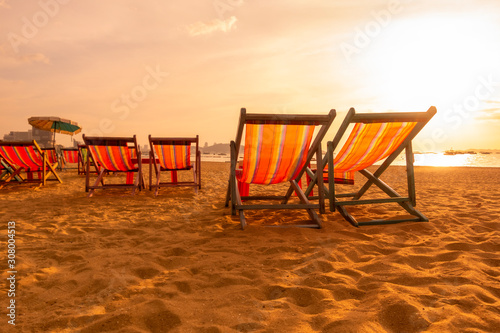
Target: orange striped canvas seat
[(114, 155), (375, 137), (274, 153), (113, 158), (174, 155), (30, 158), (277, 149), (366, 145)]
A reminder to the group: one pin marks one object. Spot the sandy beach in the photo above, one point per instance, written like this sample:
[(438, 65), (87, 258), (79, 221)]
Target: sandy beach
[(179, 262)]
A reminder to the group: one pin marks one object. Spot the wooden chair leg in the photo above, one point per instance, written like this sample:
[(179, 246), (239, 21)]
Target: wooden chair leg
[(303, 199), (101, 174), (157, 182)]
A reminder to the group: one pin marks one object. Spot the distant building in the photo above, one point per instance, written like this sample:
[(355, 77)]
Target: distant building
[(43, 138), (18, 136)]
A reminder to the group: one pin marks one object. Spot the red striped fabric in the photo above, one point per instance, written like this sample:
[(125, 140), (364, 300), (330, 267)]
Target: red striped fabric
[(174, 157), (70, 156), (113, 158), (133, 153), (22, 156), (51, 155), (274, 153)]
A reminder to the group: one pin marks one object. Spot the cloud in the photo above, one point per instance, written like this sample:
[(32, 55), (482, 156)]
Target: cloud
[(7, 61), (201, 28), (490, 117), (492, 113), (34, 58)]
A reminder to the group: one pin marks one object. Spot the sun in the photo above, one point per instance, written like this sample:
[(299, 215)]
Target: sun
[(430, 60)]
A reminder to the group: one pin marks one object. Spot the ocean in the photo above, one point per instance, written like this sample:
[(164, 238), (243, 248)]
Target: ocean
[(429, 159), (466, 160)]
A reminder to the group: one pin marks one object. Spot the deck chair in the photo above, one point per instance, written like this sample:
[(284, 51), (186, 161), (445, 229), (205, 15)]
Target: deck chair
[(113, 155), (6, 170), (51, 154), (374, 137), (27, 157), (174, 154), (69, 156), (278, 148), (83, 155)]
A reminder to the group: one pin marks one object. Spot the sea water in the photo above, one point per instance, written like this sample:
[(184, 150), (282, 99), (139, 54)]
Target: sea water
[(440, 159), (429, 159)]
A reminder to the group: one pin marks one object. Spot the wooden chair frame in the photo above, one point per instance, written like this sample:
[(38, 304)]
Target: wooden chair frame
[(82, 162), (129, 142), (153, 161), (6, 169), (337, 200), (233, 194), (45, 169)]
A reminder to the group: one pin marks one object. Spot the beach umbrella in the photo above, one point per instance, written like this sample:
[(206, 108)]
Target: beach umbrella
[(55, 125)]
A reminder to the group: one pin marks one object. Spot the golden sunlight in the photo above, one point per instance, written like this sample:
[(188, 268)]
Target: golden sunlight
[(429, 60)]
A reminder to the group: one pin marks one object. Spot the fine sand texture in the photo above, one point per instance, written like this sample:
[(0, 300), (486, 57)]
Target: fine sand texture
[(179, 262)]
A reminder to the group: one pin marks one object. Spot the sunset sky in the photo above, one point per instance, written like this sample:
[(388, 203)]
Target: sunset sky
[(181, 68)]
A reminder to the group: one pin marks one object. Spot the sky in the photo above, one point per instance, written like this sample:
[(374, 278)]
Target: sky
[(172, 68)]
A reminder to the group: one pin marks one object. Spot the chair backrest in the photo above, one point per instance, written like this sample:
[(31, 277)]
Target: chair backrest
[(173, 153), (278, 147), (70, 155), (112, 153), (84, 152), (51, 154), (25, 154), (374, 137)]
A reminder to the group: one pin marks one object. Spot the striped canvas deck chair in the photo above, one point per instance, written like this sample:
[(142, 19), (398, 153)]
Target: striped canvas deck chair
[(53, 157), (277, 149), (6, 170), (51, 154), (83, 155), (113, 155), (174, 155), (69, 156), (373, 138), (27, 157)]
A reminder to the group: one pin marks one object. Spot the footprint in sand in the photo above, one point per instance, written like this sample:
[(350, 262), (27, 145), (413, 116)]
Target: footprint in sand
[(402, 317)]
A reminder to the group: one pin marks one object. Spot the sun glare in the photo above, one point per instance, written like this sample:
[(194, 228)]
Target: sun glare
[(429, 60)]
